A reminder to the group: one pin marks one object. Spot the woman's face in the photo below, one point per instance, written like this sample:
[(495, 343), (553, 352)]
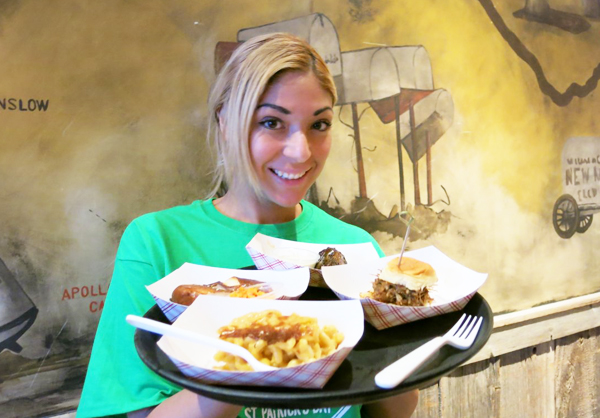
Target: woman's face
[(290, 137)]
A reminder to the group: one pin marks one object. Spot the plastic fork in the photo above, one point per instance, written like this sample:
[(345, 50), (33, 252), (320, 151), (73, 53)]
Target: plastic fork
[(184, 334), (461, 336)]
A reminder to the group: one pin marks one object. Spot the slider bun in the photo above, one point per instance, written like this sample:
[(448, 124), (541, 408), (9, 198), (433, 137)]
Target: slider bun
[(414, 274), (411, 266)]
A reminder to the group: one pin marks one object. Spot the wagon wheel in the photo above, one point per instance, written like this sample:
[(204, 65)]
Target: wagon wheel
[(565, 216), (584, 223)]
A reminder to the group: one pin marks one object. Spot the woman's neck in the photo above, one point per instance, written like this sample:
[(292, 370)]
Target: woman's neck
[(255, 211)]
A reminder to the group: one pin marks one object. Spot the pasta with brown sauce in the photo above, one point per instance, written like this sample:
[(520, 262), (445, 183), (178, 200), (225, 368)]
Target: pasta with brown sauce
[(277, 340)]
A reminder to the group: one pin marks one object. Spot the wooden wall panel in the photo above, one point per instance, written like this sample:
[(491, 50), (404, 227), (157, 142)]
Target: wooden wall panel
[(558, 379), (429, 402), (577, 377), (526, 381), (471, 391)]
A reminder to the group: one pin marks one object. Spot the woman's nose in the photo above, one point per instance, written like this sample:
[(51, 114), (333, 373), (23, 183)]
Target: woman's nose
[(297, 147)]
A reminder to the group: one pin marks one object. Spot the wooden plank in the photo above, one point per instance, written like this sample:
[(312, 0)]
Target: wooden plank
[(531, 332), (546, 310), (555, 379), (577, 377), (527, 382), (471, 391), (429, 402), (559, 378)]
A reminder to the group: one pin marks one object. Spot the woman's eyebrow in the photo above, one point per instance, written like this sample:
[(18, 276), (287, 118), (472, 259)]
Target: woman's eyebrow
[(288, 112), (274, 106), (322, 110)]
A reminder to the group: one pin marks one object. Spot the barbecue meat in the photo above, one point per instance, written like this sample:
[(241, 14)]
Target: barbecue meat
[(397, 294), (330, 257)]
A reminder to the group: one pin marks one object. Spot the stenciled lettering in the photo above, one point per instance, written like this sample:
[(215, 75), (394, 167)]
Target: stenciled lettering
[(587, 193), (576, 176), (24, 105), (583, 160), (573, 176), (96, 306), (585, 175), (82, 292)]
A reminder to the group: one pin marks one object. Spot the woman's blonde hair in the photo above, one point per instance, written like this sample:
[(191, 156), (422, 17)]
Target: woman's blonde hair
[(234, 96)]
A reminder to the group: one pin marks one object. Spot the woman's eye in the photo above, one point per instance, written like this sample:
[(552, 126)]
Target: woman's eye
[(322, 125), (271, 123)]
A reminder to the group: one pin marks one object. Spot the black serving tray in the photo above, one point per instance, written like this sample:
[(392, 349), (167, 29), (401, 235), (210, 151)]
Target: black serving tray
[(353, 382)]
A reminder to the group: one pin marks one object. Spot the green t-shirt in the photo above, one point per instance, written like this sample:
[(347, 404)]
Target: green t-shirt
[(154, 245)]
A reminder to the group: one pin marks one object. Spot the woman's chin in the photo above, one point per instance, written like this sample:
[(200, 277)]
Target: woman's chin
[(285, 200)]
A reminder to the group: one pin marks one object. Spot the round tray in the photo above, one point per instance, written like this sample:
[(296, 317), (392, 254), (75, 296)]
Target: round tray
[(353, 382)]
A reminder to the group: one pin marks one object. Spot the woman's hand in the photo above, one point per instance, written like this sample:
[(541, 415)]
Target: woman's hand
[(399, 406)]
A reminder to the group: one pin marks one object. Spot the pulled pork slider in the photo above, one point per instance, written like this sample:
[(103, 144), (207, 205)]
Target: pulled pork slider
[(404, 285)]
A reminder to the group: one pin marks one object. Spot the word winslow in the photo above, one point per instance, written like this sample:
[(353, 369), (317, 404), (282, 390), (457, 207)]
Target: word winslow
[(24, 105)]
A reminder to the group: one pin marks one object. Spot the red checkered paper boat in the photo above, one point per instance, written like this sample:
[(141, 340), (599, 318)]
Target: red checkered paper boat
[(269, 253), (197, 361), (455, 287), (286, 285)]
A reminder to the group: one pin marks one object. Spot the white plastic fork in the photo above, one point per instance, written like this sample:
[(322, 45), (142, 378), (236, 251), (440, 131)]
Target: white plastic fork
[(172, 331), (461, 336)]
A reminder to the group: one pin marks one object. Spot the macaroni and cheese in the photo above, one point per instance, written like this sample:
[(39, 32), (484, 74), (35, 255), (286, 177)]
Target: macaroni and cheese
[(277, 340)]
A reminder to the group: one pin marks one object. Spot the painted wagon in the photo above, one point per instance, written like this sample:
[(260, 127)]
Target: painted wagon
[(574, 210)]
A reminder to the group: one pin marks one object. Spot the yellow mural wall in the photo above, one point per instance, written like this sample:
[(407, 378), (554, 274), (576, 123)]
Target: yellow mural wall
[(501, 159), (116, 129)]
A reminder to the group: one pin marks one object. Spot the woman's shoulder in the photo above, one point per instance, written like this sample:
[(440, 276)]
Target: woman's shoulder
[(171, 213), (171, 223), (319, 215), (323, 221), (165, 219)]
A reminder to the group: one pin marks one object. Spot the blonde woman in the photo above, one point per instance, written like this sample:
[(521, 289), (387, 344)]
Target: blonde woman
[(271, 111)]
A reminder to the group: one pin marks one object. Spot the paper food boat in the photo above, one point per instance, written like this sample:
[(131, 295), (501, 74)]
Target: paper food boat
[(286, 284), (197, 361), (456, 286), (269, 253)]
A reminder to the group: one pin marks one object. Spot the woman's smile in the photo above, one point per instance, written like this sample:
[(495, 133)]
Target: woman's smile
[(288, 176)]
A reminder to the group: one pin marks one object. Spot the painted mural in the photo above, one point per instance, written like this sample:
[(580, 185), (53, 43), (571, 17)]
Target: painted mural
[(476, 119), (574, 211)]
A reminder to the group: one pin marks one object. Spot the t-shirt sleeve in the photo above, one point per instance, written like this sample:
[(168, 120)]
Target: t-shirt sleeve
[(328, 229), (356, 235), (375, 244), (117, 381)]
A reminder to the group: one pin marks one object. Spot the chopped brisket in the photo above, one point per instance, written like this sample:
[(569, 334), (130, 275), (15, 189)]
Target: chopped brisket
[(397, 294)]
